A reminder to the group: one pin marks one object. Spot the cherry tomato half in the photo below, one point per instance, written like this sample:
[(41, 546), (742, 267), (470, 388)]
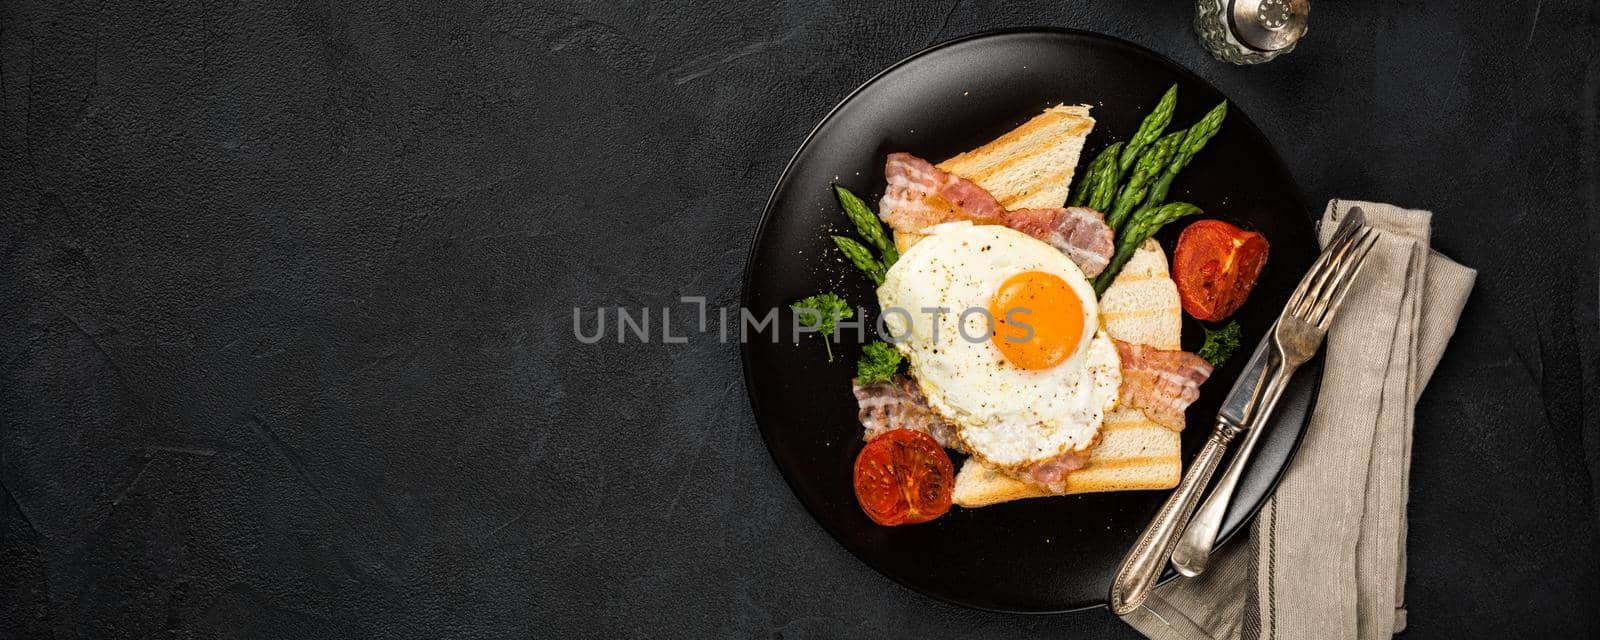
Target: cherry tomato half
[(903, 477), (1216, 265)]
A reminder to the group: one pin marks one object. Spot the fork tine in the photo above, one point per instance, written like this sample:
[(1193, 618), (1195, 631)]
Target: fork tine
[(1335, 254), (1324, 311), (1320, 265), (1332, 279), (1349, 225)]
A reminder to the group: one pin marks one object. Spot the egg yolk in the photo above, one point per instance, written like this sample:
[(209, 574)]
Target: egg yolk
[(1044, 302)]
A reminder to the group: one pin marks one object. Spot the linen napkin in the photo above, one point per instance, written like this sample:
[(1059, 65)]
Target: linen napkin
[(1326, 556)]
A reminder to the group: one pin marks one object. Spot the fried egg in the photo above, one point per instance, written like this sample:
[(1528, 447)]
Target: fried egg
[(1001, 332)]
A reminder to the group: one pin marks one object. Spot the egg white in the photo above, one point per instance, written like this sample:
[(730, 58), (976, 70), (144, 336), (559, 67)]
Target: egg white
[(1007, 415)]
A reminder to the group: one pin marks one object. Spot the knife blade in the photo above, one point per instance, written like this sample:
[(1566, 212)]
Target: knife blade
[(1241, 399)]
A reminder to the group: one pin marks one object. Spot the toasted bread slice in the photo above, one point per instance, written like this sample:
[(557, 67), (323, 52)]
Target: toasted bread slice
[(1031, 166), (1141, 306), (904, 239), (1134, 452)]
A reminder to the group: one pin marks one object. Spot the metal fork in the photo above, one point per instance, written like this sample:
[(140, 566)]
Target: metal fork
[(1295, 338)]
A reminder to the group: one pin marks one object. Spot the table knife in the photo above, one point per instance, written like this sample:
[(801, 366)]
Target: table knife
[(1193, 549), (1142, 567)]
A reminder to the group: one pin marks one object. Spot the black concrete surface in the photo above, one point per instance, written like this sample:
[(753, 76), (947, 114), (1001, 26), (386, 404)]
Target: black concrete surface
[(286, 292)]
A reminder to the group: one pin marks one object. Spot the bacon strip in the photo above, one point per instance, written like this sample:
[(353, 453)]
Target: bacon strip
[(899, 404), (1079, 232), (920, 196), (1051, 475), (1160, 383)]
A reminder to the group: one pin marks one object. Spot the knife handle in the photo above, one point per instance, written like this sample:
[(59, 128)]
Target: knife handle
[(1140, 570), (1199, 539)]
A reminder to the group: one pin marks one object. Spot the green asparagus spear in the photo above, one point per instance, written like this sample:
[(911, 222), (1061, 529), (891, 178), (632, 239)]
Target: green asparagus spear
[(861, 257), (1163, 215), (1149, 166), (867, 225), (1196, 138), (1104, 187), (1149, 130), (1091, 175), (1137, 232)]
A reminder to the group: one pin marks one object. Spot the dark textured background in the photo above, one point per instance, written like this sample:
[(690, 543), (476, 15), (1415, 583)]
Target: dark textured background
[(285, 296)]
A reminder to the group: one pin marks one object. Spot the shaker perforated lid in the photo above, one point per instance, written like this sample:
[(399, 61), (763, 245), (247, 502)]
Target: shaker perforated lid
[(1268, 25)]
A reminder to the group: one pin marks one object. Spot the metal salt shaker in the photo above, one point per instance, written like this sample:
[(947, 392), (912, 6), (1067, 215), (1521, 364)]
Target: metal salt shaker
[(1250, 31)]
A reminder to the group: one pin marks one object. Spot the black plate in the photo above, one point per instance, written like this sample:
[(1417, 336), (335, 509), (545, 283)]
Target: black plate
[(1042, 555)]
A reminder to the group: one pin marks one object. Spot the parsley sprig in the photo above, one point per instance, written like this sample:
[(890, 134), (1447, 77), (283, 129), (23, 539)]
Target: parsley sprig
[(821, 313), (1220, 343), (879, 362)]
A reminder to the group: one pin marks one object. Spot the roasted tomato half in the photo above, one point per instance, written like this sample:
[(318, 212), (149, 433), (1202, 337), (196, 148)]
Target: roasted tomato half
[(1215, 266), (903, 477)]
